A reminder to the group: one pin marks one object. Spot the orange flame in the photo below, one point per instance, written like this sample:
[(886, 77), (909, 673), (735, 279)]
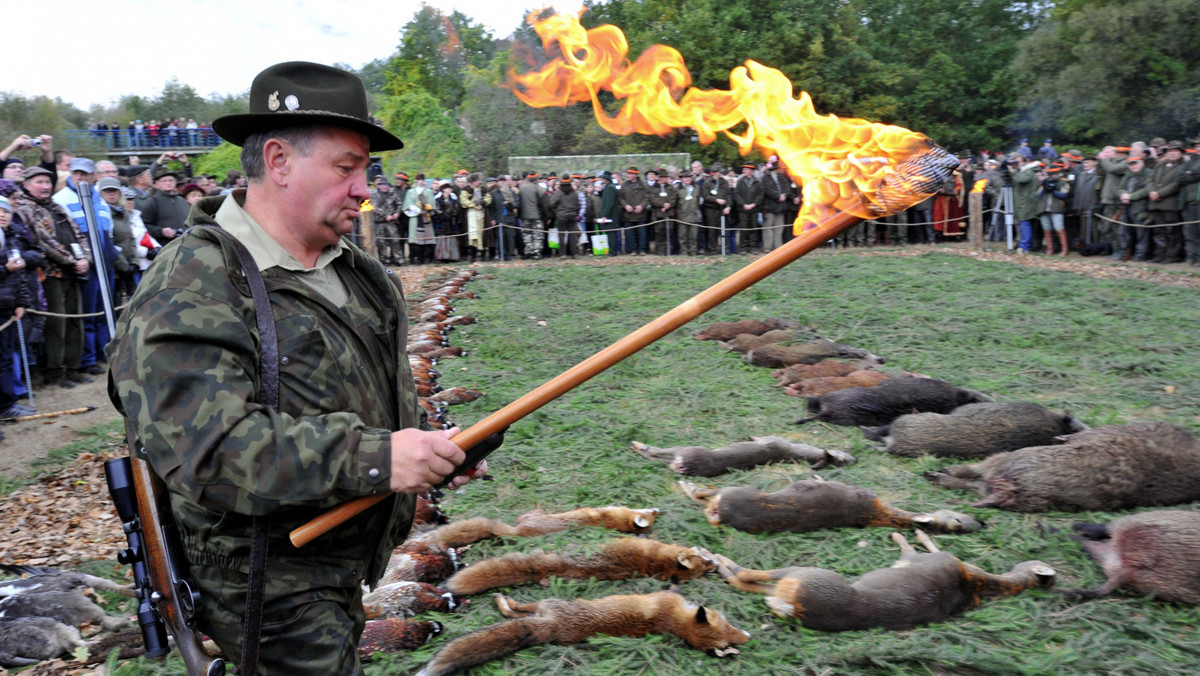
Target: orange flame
[(838, 162)]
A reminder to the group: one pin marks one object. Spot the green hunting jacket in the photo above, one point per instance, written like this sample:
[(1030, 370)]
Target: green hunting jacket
[(1164, 179), (184, 369), (1025, 194)]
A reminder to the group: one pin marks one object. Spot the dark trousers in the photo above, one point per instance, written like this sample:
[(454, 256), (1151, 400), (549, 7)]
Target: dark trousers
[(1168, 237), (95, 329), (64, 336), (709, 238)]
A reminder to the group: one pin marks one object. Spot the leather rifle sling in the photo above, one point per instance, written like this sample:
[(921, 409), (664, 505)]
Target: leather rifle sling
[(269, 397)]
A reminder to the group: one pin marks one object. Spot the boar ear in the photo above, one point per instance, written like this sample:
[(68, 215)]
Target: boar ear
[(701, 615)]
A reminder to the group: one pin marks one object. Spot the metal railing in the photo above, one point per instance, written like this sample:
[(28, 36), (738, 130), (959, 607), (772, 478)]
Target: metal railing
[(201, 139)]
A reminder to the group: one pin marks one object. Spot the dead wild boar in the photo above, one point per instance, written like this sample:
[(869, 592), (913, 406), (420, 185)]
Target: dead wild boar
[(974, 430), (744, 342), (826, 368), (880, 405), (917, 589), (1151, 553), (701, 461), (778, 356), (816, 387), (729, 330), (1113, 467), (811, 505)]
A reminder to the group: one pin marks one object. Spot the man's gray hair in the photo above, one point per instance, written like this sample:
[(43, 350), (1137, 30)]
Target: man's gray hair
[(301, 138)]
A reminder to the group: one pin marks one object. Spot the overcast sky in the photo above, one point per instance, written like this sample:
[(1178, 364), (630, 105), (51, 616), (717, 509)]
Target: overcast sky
[(96, 52)]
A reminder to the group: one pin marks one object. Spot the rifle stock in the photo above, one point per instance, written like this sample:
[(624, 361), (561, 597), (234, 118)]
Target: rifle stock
[(166, 600)]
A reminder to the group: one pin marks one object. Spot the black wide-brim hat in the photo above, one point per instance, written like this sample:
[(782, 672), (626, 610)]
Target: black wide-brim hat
[(299, 93)]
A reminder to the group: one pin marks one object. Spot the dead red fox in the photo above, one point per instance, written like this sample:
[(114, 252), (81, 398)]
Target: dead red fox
[(918, 589), (813, 505), (537, 522), (564, 622), (618, 560)]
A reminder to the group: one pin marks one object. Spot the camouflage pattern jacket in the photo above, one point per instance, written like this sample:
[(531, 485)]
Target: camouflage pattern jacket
[(184, 370), (386, 204)]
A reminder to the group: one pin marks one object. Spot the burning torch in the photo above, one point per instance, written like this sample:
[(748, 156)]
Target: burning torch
[(850, 170)]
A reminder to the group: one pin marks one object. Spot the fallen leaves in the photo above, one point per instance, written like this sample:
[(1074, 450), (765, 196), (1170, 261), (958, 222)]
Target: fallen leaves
[(63, 519)]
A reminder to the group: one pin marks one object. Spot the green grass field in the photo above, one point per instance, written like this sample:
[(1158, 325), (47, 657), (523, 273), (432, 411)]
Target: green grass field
[(1107, 351)]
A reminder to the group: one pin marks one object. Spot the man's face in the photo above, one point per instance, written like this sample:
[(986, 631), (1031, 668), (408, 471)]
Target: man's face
[(64, 164), (697, 167), (165, 184), (5, 217), (39, 186), (747, 171), (329, 185), (1174, 155), (383, 187), (105, 169), (78, 176), (112, 196), (1089, 165), (651, 177), (14, 171)]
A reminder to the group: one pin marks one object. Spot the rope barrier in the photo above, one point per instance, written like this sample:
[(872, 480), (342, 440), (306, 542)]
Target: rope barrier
[(64, 316)]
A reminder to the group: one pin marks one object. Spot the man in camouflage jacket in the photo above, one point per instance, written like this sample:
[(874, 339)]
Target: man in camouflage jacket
[(384, 223), (185, 372)]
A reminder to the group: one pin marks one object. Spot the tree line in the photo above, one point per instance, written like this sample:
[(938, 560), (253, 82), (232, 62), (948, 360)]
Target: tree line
[(971, 74)]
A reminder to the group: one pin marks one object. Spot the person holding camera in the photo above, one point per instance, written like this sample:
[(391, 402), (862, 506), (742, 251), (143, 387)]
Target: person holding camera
[(1025, 197), (45, 143), (68, 260)]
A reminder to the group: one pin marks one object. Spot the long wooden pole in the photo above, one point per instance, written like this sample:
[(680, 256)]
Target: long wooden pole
[(606, 358)]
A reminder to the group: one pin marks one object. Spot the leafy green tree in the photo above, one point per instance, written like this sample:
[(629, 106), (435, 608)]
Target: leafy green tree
[(433, 142), (435, 49), (1112, 71)]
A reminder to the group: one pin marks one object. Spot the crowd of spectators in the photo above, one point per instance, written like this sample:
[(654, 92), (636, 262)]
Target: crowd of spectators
[(169, 133), (51, 307), (1138, 202)]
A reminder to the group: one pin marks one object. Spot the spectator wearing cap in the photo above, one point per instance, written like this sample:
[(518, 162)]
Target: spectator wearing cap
[(67, 258), (1053, 198), (192, 193), (385, 218), (564, 203), (140, 180), (16, 294), (1134, 194), (475, 201), (531, 202), (146, 248), (1085, 197), (748, 200), (1189, 202), (185, 172), (95, 328), (777, 192), (635, 205), (1111, 167), (165, 211), (717, 204), (688, 215), (1025, 200), (608, 215), (418, 207), (505, 208), (1024, 149), (663, 199), (125, 264), (1164, 207), (1047, 152)]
